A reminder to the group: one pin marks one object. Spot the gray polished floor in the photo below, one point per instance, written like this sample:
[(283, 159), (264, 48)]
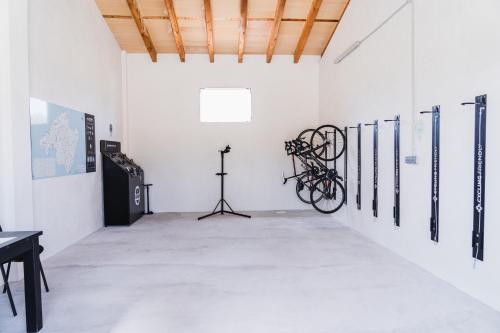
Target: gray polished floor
[(276, 273)]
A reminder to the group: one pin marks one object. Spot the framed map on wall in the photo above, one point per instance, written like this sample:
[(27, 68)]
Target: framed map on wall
[(62, 140)]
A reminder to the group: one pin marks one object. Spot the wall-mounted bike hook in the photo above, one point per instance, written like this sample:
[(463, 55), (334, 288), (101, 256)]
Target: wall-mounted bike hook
[(424, 112), (480, 100), (396, 118), (371, 124)]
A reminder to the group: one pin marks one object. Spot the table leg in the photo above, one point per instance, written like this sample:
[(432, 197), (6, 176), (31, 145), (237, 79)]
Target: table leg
[(32, 288)]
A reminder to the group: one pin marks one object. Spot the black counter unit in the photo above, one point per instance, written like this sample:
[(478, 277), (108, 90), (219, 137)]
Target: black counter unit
[(123, 183)]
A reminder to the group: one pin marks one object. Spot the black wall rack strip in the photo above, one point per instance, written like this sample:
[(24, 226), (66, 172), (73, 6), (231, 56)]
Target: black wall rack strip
[(90, 149), (434, 220), (396, 208), (345, 164), (479, 176), (358, 194), (375, 167)]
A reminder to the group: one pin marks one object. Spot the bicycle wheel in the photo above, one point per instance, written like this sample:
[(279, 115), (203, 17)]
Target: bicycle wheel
[(307, 134), (303, 188), (327, 196), (306, 138), (328, 142)]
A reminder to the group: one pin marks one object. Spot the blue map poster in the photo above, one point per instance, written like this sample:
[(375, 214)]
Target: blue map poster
[(58, 140)]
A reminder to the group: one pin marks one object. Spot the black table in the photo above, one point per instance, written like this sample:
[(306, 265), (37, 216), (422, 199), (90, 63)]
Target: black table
[(25, 244)]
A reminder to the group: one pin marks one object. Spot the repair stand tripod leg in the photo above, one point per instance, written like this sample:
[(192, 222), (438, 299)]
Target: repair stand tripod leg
[(214, 212), (238, 214), (222, 211), (233, 212), (211, 214)]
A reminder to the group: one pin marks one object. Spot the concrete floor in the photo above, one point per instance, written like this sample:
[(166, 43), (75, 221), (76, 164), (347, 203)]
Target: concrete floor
[(294, 272)]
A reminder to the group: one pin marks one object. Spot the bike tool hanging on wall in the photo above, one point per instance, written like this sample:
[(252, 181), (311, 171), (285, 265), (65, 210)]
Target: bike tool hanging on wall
[(358, 181), (434, 220), (375, 167), (479, 176), (395, 209)]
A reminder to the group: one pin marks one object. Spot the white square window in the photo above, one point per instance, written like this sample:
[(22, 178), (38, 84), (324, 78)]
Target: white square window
[(225, 105)]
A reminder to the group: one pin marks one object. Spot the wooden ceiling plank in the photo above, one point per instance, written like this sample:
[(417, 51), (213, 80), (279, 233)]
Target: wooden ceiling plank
[(237, 33), (335, 29), (210, 30), (280, 8), (306, 30), (139, 22), (243, 29), (175, 29)]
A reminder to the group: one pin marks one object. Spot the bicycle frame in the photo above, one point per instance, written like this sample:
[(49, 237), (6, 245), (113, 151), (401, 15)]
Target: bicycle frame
[(322, 172)]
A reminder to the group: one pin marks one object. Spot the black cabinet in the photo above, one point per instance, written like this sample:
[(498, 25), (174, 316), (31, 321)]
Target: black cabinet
[(123, 186)]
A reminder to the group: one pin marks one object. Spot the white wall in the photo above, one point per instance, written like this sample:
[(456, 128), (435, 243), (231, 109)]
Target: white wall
[(457, 57), (16, 206), (5, 114), (75, 62), (179, 154)]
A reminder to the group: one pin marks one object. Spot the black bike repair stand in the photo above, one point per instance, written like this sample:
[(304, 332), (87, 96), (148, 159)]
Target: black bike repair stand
[(222, 201)]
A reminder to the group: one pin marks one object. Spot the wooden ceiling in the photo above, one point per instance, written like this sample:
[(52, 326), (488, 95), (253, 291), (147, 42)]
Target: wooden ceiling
[(223, 26)]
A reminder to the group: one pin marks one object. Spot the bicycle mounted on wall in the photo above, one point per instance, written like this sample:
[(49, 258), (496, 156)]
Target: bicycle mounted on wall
[(317, 183)]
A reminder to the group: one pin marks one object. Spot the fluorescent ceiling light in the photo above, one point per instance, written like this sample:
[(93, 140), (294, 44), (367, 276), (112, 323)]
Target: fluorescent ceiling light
[(359, 42), (348, 51)]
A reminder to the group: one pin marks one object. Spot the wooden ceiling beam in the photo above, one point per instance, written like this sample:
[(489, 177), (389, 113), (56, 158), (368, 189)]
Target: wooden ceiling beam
[(143, 30), (278, 15), (294, 20), (243, 29), (175, 29), (210, 29), (192, 18), (335, 29), (313, 12)]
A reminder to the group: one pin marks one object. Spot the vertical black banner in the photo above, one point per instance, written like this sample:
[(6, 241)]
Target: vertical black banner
[(334, 148), (396, 170), (90, 142), (345, 164), (479, 177), (375, 169), (434, 226), (358, 195)]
